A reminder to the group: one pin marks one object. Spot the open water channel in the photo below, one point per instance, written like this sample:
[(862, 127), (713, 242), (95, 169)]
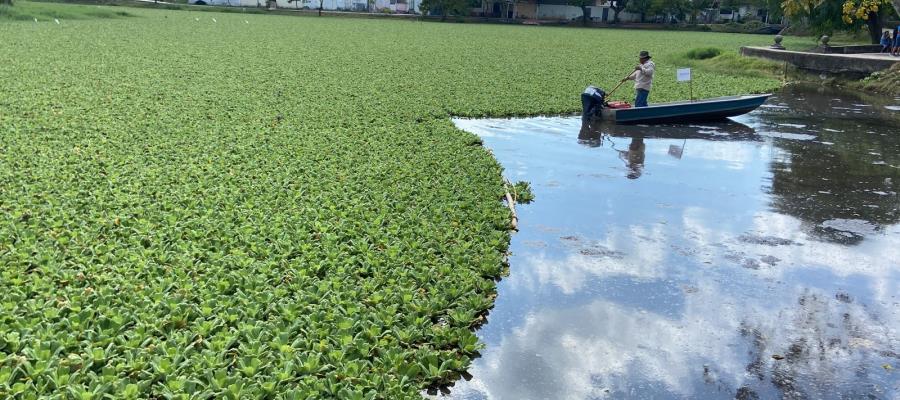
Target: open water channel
[(754, 259)]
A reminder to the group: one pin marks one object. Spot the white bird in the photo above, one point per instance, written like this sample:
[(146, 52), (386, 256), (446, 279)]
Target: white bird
[(56, 20), (196, 19), (214, 20), (35, 20), (246, 22)]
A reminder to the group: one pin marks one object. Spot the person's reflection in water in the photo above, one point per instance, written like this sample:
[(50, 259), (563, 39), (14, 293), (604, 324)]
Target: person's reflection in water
[(590, 134), (634, 157)]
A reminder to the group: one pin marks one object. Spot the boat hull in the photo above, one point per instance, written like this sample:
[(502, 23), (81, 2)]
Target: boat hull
[(697, 111)]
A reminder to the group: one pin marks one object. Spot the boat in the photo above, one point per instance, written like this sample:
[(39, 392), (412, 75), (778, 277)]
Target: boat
[(713, 109)]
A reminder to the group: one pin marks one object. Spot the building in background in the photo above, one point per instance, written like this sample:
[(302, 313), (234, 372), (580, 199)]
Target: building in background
[(382, 6), (550, 10)]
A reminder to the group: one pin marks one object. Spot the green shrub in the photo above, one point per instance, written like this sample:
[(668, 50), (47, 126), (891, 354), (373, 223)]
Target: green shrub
[(753, 26), (703, 53)]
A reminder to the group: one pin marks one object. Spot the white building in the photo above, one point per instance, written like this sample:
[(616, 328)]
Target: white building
[(392, 6), (551, 10)]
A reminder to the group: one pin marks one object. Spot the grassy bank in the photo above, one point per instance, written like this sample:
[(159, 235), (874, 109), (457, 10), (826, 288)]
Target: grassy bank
[(725, 61), (270, 207), (885, 82)]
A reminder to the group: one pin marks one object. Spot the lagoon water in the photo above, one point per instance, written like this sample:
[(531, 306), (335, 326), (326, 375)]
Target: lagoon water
[(754, 259)]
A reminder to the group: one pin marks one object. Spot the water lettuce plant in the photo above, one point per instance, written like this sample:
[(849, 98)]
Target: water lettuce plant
[(266, 206)]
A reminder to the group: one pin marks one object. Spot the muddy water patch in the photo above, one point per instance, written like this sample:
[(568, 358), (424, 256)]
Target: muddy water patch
[(707, 261)]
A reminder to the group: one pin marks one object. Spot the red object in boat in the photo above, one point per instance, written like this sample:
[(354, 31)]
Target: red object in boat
[(618, 104)]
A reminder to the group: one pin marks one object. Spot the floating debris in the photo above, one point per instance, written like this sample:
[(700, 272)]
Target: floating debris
[(855, 226), (766, 240)]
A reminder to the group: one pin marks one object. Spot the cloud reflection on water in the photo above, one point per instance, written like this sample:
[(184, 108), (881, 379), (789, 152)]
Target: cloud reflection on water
[(698, 279)]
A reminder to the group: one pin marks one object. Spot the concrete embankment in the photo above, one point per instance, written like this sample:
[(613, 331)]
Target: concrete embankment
[(856, 65)]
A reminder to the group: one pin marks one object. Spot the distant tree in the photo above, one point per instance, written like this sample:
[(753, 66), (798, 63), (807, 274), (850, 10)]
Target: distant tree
[(640, 7), (829, 16), (585, 11), (670, 8), (733, 6), (697, 6), (444, 7), (773, 10), (618, 6), (822, 17)]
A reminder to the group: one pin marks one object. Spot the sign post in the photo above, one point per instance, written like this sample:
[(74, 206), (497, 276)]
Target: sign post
[(684, 74)]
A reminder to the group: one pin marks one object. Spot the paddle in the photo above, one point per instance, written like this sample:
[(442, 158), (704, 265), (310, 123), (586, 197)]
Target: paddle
[(609, 95)]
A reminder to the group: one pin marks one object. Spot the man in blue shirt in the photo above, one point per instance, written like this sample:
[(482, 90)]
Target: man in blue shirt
[(896, 50)]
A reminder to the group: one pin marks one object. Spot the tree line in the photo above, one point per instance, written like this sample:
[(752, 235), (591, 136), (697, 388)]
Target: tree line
[(820, 16)]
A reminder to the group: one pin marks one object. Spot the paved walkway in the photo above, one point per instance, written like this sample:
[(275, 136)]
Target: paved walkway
[(871, 56)]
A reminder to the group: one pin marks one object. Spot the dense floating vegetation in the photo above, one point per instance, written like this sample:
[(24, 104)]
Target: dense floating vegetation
[(36, 11), (268, 207)]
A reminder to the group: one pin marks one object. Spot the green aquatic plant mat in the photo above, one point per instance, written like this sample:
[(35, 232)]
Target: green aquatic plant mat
[(48, 12), (201, 205)]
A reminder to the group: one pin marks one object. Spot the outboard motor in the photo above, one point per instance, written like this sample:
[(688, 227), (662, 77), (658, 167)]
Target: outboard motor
[(592, 101)]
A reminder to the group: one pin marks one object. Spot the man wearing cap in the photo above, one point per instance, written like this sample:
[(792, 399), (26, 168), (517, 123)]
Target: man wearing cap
[(643, 79)]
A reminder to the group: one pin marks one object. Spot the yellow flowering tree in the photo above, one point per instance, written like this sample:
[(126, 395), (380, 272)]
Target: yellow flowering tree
[(869, 12), (828, 16)]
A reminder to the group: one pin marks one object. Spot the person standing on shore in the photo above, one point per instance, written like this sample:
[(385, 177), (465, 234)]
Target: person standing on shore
[(887, 43), (896, 50), (643, 79)]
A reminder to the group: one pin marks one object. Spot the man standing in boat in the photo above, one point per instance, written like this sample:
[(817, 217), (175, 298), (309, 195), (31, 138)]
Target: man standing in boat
[(643, 79)]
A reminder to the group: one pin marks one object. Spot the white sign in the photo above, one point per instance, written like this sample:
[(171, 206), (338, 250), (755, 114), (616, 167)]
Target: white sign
[(684, 74), (676, 151)]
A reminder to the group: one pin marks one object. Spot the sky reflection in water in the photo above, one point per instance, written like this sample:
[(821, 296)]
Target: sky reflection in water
[(757, 259)]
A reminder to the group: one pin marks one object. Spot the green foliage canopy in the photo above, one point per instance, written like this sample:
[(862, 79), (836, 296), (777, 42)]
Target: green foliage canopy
[(445, 7)]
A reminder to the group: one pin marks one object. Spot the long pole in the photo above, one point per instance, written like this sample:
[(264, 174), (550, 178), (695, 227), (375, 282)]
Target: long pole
[(617, 86)]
